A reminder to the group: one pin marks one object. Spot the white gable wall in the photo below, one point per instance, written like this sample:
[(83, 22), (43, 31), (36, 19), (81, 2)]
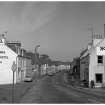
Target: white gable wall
[(7, 56), (94, 67)]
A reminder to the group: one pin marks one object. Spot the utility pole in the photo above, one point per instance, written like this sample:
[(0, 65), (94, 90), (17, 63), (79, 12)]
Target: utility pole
[(14, 68)]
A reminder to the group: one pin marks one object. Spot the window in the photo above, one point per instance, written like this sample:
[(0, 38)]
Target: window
[(100, 59)]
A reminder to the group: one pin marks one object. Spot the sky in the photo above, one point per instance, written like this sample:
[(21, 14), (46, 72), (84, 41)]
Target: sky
[(62, 29)]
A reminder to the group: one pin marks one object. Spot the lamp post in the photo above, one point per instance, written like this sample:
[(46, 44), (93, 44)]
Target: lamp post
[(37, 58)]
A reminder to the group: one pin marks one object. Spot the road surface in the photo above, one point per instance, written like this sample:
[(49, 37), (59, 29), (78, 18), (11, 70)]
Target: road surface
[(52, 89)]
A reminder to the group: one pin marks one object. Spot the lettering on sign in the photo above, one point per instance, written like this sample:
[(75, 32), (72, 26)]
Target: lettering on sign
[(3, 57), (102, 48), (2, 52)]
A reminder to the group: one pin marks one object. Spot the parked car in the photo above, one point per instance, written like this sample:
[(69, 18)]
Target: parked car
[(28, 79), (84, 83), (50, 74)]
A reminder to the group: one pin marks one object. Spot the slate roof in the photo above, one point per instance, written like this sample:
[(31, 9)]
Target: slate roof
[(14, 46)]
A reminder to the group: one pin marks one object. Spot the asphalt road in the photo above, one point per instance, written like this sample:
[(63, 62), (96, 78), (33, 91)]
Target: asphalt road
[(52, 89)]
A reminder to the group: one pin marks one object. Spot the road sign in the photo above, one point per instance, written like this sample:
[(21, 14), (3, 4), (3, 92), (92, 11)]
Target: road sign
[(14, 66)]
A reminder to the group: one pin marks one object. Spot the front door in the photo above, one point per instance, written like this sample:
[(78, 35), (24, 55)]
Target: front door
[(99, 79)]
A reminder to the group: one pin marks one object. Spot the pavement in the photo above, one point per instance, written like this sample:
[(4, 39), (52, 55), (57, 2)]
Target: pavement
[(94, 91), (20, 90)]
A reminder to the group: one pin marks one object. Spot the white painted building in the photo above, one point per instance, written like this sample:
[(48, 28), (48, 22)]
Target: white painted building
[(7, 57), (43, 69), (97, 63), (94, 62)]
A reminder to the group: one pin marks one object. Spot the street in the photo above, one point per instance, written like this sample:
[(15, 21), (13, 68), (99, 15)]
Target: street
[(52, 89)]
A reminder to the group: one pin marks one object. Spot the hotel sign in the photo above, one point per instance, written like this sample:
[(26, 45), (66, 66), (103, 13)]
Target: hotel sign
[(2, 56), (101, 50)]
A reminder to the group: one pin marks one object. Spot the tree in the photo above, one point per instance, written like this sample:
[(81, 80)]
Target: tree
[(45, 59), (32, 56)]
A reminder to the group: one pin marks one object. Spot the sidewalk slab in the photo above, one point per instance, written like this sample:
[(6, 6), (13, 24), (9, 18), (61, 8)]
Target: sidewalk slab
[(94, 91)]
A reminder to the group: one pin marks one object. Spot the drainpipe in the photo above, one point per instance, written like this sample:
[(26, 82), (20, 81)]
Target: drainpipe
[(104, 30), (17, 68)]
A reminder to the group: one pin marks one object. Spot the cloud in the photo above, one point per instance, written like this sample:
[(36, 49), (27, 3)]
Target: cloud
[(33, 17)]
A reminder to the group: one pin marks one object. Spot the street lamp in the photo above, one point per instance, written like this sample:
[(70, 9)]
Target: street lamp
[(37, 58)]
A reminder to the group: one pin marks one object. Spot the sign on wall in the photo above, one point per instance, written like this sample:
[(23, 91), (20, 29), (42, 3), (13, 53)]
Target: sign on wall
[(2, 56), (101, 50)]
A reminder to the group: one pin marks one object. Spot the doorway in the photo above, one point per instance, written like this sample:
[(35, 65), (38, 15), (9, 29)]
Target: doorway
[(99, 78)]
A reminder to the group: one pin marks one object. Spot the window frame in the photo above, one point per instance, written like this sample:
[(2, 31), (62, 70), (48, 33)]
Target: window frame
[(100, 60)]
